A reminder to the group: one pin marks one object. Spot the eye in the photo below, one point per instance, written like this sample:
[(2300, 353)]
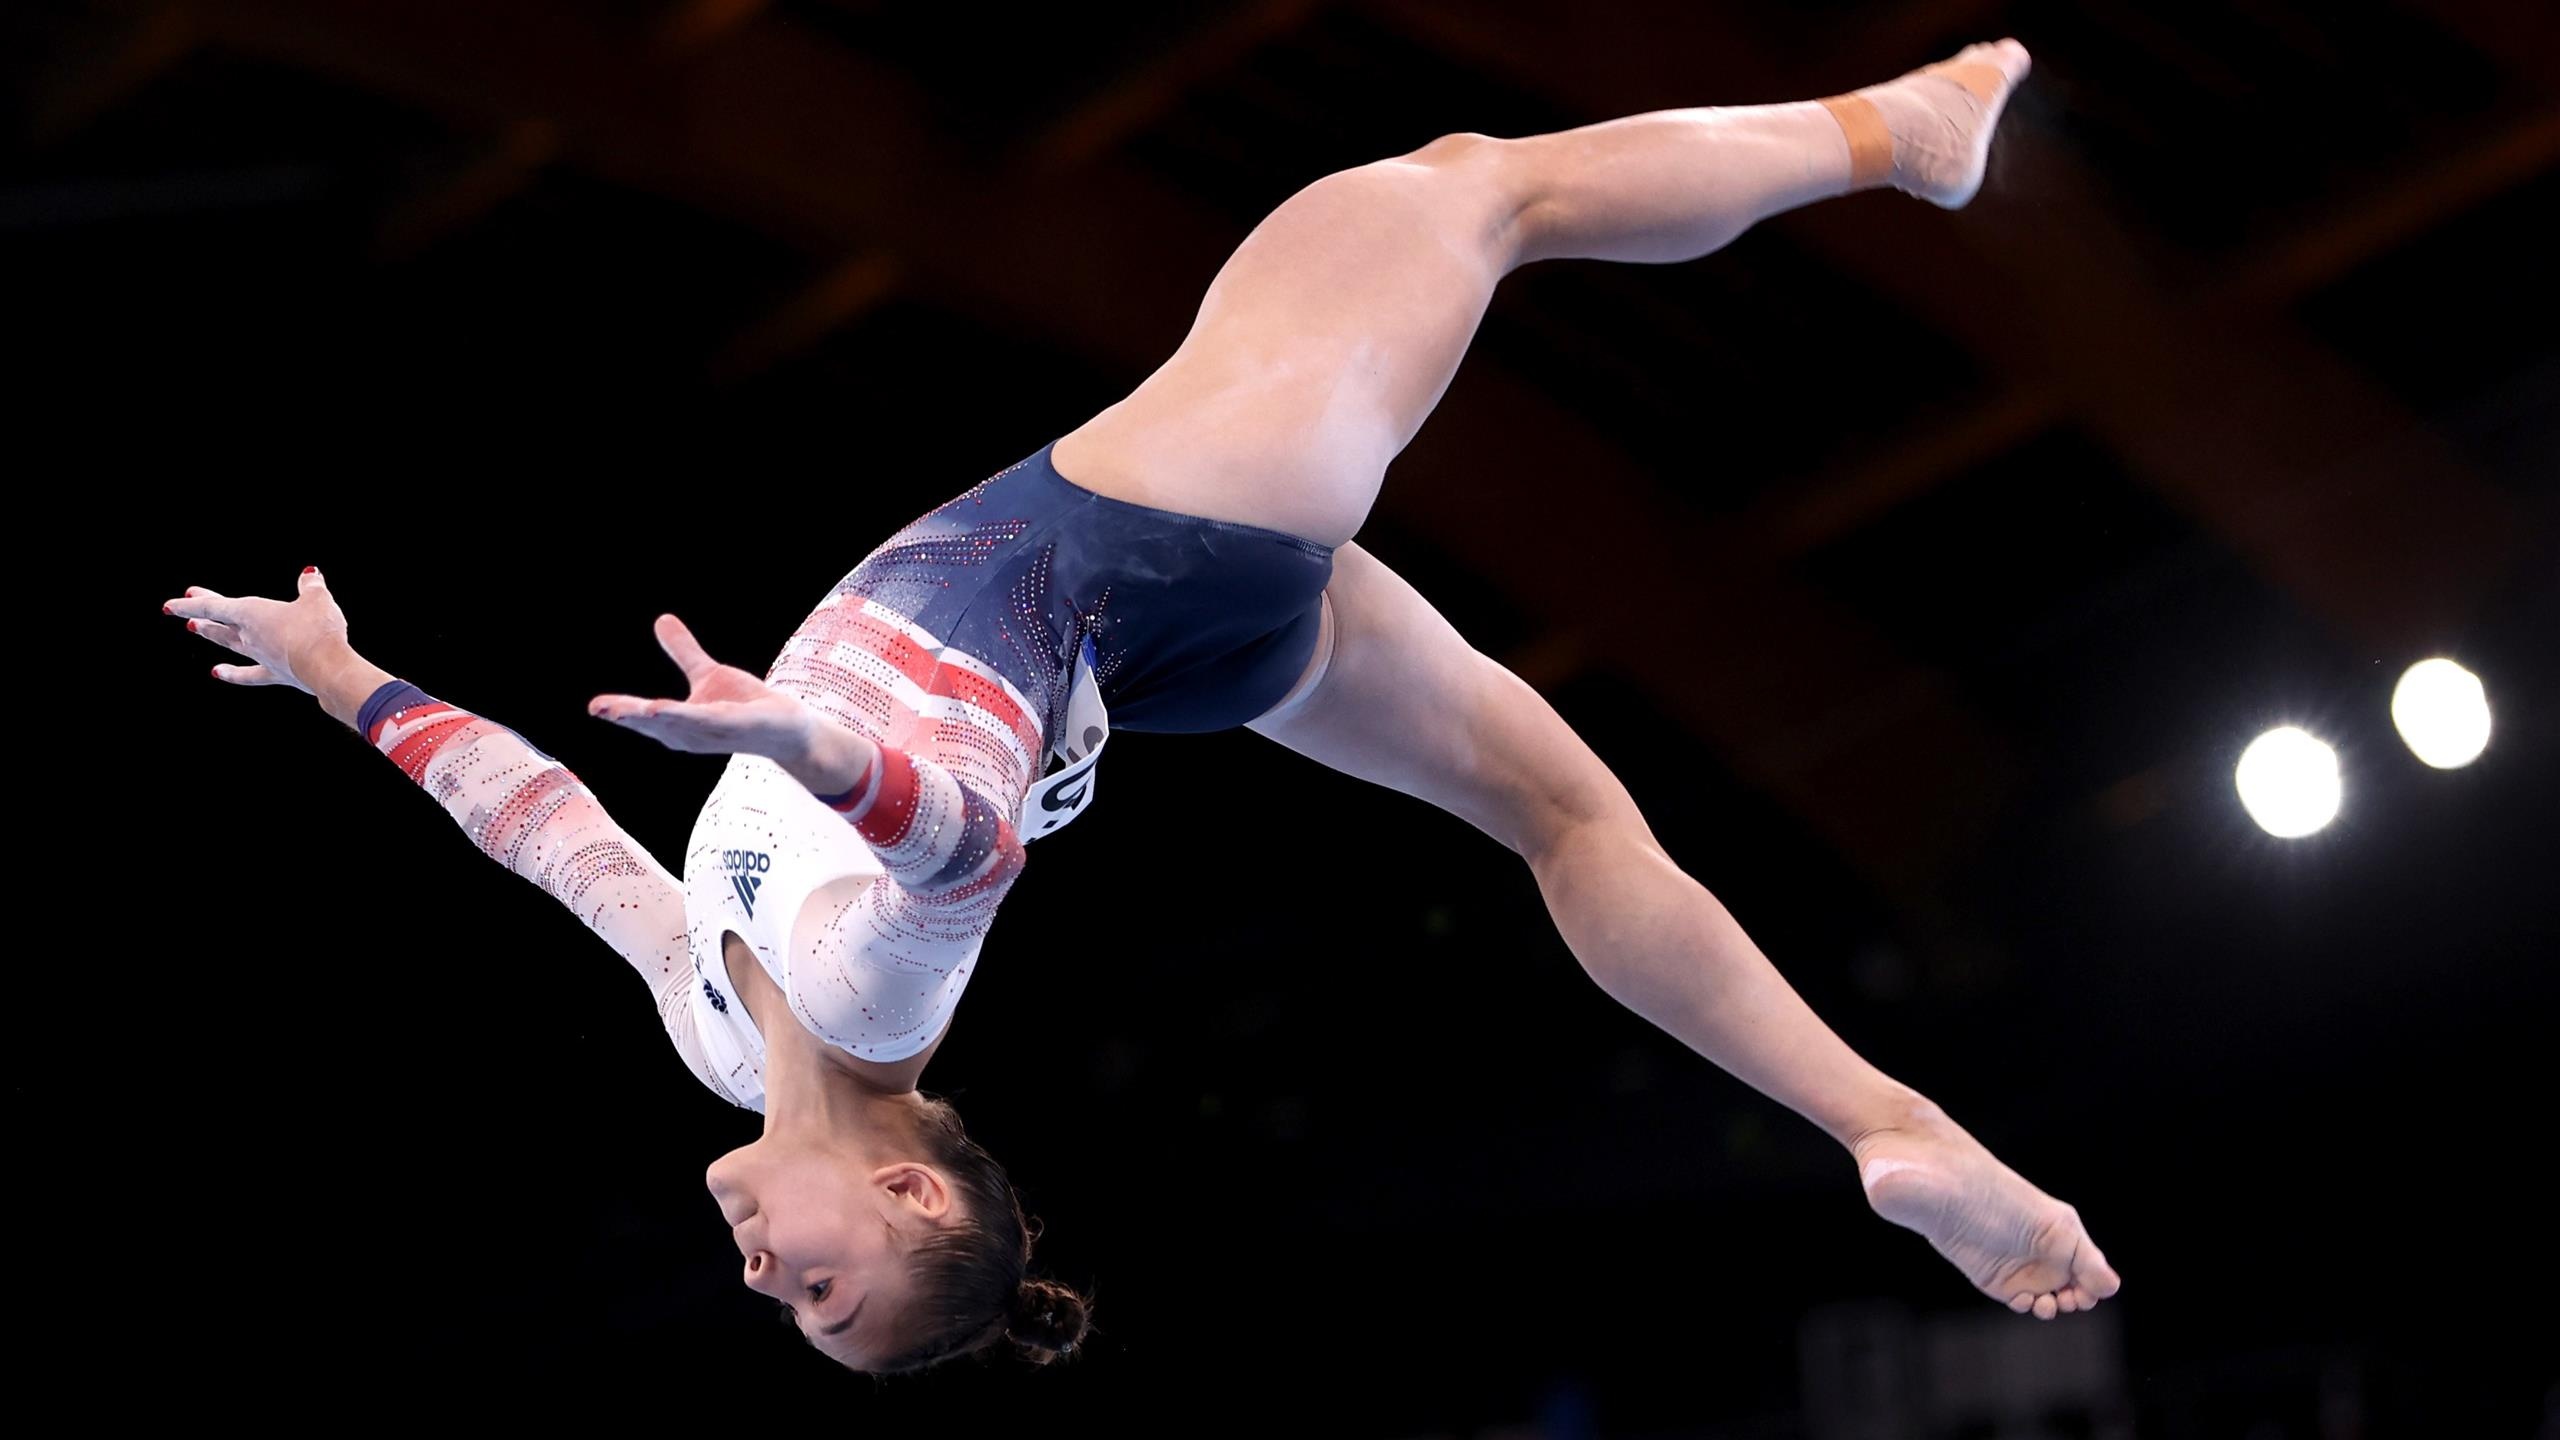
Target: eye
[(818, 1292)]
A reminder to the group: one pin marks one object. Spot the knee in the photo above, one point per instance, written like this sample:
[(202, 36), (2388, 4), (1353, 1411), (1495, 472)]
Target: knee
[(1479, 182), (1459, 147), (1557, 810)]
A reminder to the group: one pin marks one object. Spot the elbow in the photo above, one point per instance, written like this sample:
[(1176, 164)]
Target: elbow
[(983, 865), (1004, 861)]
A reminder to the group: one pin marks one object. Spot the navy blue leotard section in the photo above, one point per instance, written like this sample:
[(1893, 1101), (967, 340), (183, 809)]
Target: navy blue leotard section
[(1197, 624)]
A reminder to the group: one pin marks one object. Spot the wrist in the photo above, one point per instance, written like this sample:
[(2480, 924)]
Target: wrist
[(831, 759), (339, 678)]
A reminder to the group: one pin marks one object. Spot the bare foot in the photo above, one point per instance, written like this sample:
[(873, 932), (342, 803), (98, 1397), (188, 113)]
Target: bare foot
[(2017, 1244), (1942, 117)]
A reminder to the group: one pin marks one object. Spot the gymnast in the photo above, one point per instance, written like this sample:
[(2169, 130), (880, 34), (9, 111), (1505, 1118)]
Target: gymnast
[(1197, 572)]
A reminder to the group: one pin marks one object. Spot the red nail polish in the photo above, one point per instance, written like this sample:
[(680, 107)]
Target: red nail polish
[(310, 569), (165, 610), (215, 672), (191, 627)]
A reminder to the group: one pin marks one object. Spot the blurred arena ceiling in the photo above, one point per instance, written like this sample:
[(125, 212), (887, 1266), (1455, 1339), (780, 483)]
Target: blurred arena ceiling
[(2229, 328)]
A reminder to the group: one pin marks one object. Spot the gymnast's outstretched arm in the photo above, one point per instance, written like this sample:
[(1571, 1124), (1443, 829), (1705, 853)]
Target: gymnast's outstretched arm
[(523, 809)]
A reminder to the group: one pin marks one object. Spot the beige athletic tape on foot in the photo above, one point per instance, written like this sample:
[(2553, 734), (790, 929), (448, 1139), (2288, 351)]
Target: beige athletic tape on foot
[(1985, 81), (1870, 143)]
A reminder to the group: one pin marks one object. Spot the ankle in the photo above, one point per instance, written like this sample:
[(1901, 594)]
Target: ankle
[(1870, 139), (1903, 1114)]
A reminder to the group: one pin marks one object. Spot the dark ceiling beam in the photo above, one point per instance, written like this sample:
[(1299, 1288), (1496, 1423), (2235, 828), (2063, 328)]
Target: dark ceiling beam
[(2386, 214), (2413, 199), (458, 195), (786, 131), (841, 294), (791, 134), (2318, 477), (1072, 143), (2521, 40), (1880, 757), (1820, 509), (1134, 101), (109, 53), (686, 24)]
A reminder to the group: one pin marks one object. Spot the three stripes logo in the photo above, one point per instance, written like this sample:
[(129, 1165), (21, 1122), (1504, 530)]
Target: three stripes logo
[(747, 869)]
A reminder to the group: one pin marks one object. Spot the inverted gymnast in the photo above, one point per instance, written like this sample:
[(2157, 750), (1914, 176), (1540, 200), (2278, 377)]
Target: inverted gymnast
[(1198, 573)]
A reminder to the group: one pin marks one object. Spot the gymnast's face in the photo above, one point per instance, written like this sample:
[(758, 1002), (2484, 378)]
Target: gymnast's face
[(826, 1232)]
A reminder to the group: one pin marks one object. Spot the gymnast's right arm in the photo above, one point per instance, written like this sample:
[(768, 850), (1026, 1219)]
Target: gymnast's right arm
[(523, 809)]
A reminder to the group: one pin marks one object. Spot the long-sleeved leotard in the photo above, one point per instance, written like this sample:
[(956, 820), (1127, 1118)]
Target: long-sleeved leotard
[(926, 807), (950, 648), (528, 813)]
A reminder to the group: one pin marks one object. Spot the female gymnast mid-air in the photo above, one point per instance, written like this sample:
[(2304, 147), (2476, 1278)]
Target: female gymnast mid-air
[(1197, 572)]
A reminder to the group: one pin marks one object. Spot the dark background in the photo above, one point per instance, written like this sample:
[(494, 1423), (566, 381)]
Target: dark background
[(1923, 575)]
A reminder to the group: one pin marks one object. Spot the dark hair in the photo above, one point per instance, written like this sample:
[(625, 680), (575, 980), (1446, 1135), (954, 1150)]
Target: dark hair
[(971, 1289)]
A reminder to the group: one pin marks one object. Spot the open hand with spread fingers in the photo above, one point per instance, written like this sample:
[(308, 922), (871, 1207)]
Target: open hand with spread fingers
[(301, 642), (287, 642), (727, 711)]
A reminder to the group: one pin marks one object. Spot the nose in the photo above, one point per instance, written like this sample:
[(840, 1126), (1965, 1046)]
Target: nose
[(763, 1275)]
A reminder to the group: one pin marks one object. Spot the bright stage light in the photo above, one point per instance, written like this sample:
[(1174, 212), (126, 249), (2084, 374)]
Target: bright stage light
[(2289, 782), (2442, 712)]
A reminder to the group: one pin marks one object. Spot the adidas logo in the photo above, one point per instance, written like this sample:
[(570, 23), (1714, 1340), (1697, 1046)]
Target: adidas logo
[(746, 875)]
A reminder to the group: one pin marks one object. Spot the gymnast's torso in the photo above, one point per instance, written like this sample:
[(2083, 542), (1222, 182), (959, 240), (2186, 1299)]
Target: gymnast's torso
[(957, 647)]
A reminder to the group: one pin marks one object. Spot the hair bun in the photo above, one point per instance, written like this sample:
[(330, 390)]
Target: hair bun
[(1047, 1320)]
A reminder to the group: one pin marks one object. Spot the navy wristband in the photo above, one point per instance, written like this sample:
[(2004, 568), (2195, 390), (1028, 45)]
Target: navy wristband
[(389, 696)]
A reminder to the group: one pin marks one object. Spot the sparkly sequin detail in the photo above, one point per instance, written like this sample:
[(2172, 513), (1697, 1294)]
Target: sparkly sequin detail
[(959, 747), (910, 571), (948, 647)]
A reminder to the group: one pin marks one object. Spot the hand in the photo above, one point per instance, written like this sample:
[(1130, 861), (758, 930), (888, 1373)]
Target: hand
[(725, 712), (289, 642)]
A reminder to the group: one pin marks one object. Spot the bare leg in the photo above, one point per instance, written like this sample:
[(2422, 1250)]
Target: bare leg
[(1321, 348), (1325, 341), (1405, 702)]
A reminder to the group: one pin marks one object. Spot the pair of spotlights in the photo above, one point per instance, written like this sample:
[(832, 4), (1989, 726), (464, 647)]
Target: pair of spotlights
[(2288, 778)]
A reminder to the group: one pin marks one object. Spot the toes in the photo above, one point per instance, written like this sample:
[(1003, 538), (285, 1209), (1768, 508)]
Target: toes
[(2007, 56), (2046, 1308), (2094, 1274), (2021, 1302), (1988, 71)]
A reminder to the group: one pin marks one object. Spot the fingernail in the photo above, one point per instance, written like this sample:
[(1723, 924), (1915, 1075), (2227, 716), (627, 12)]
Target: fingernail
[(165, 610), (217, 672), (191, 627), (310, 569)]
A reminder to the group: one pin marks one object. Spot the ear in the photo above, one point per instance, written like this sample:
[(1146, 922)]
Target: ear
[(916, 1187)]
